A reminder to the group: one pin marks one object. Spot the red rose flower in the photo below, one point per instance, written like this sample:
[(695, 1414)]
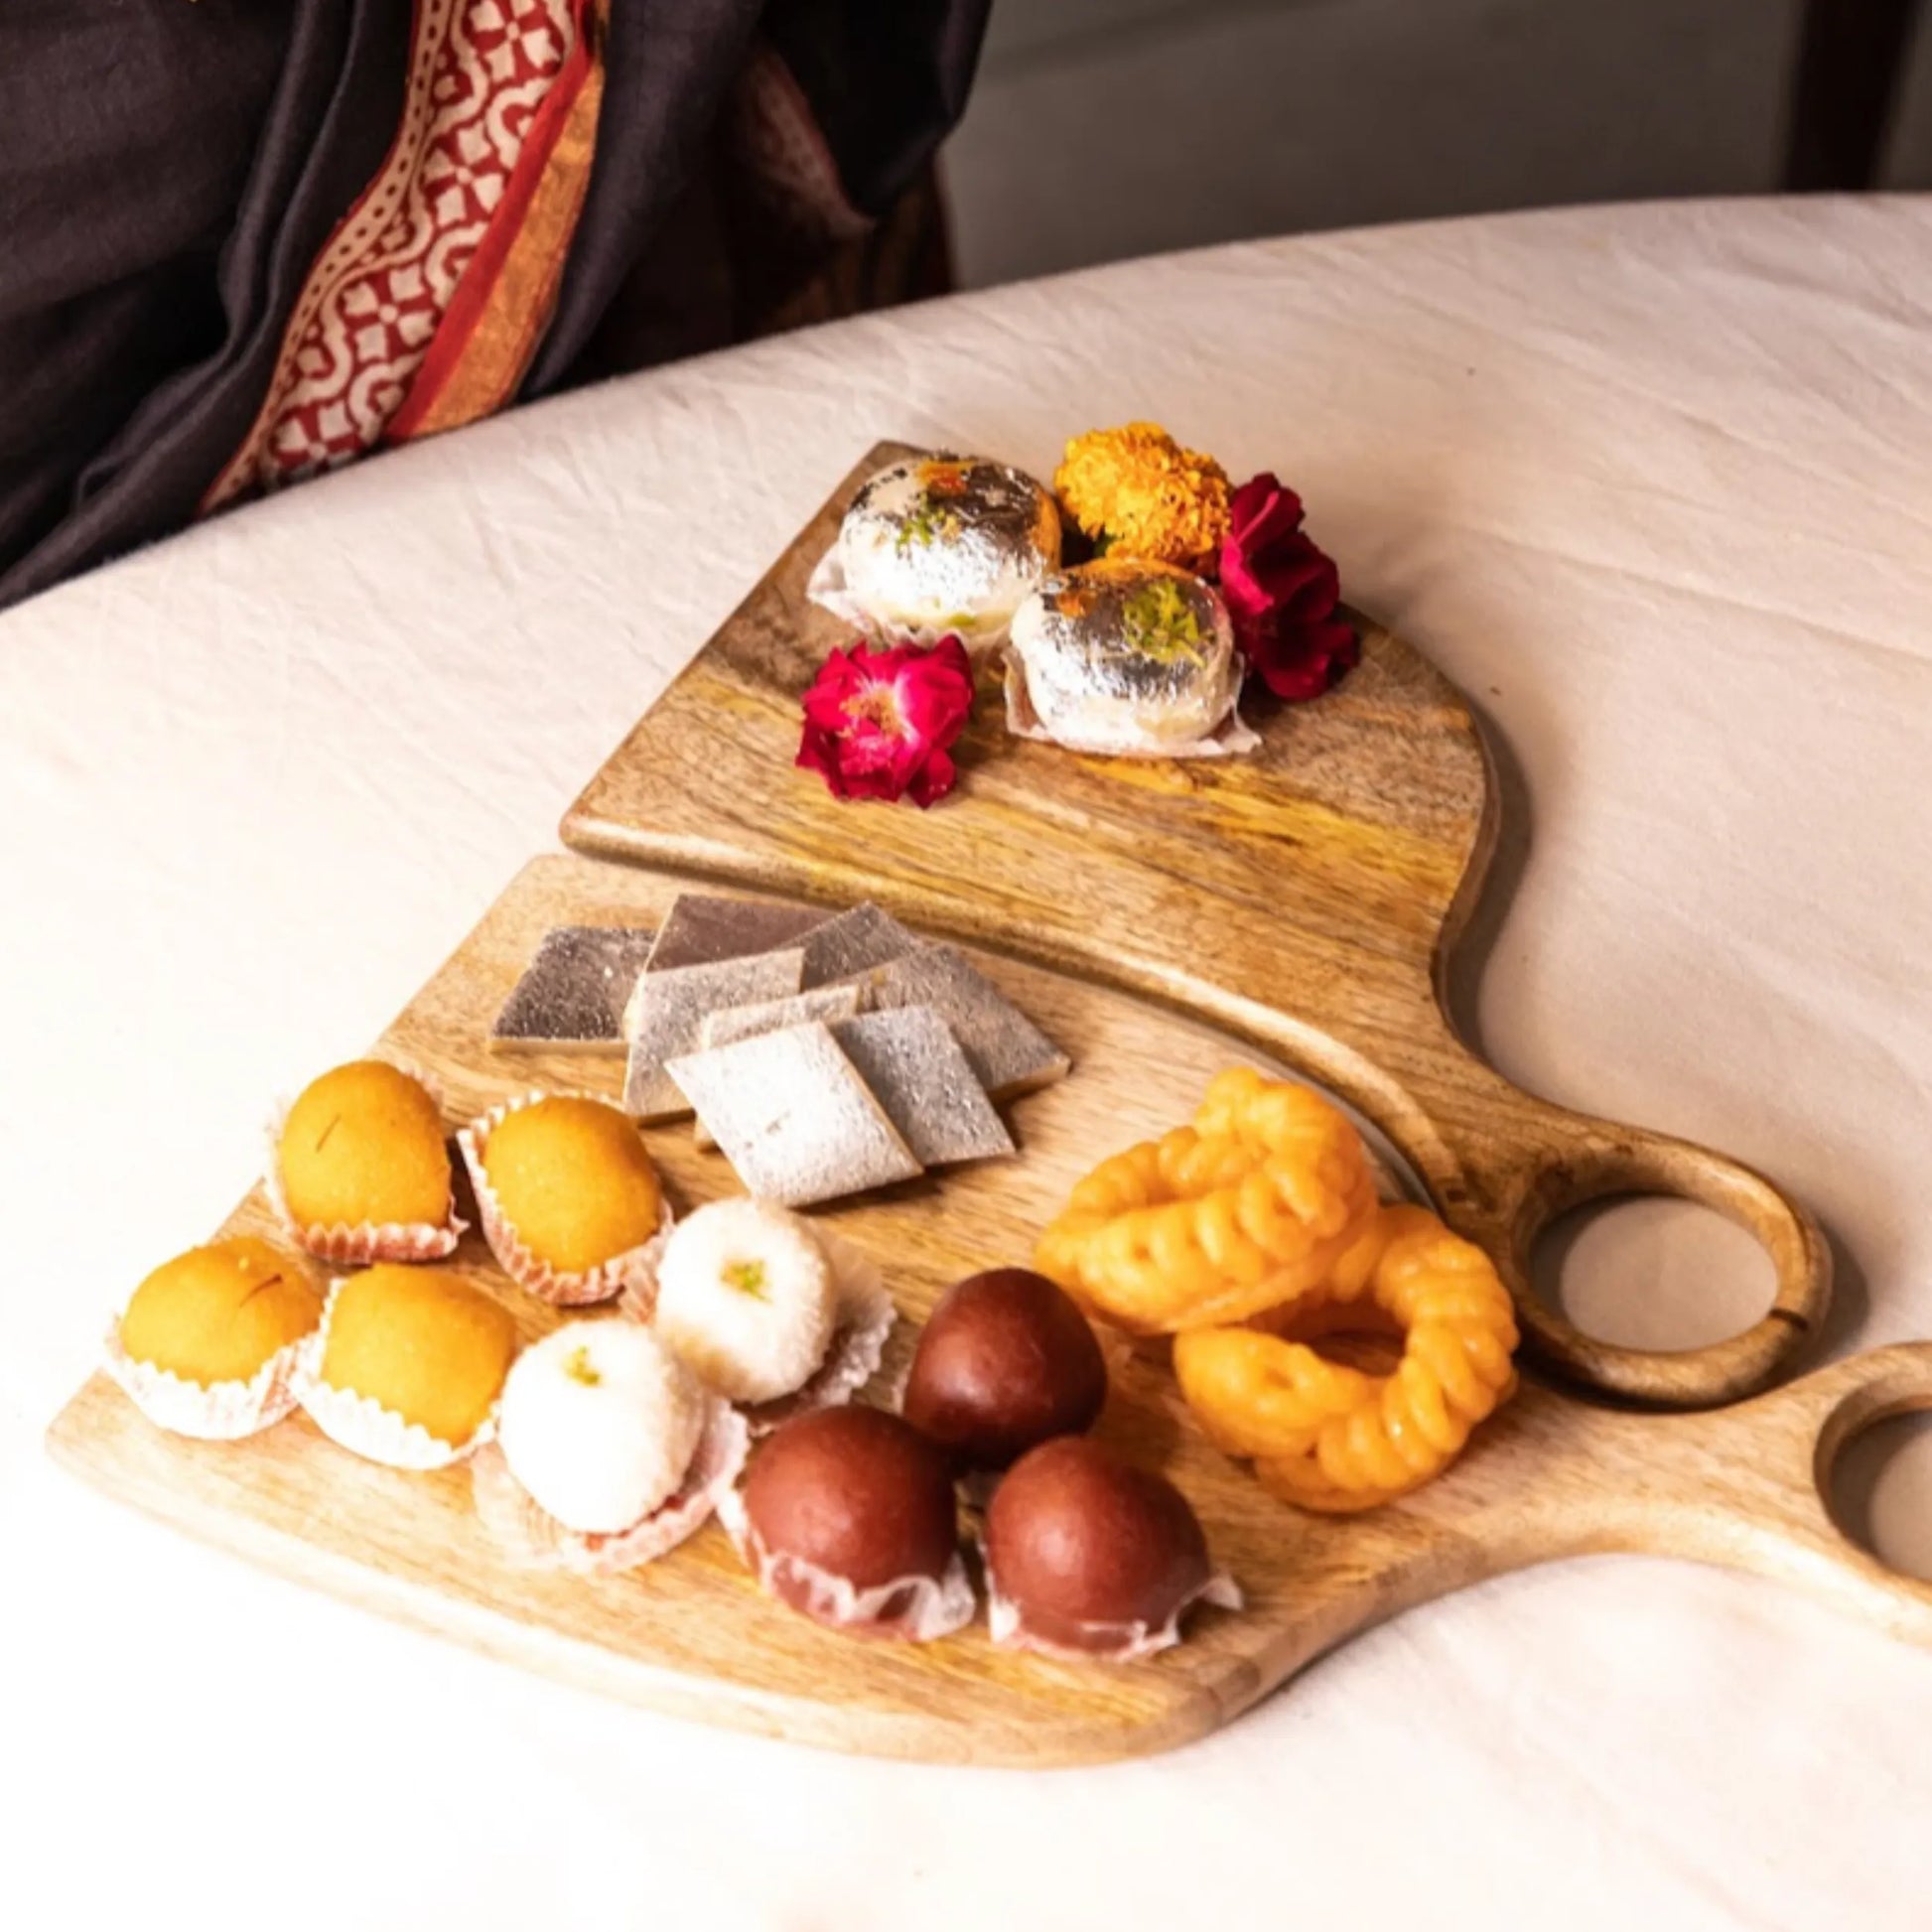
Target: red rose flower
[(879, 722), (1281, 590)]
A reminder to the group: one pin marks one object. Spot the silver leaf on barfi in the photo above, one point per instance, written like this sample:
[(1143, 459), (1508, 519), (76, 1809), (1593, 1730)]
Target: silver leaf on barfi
[(1008, 1054), (853, 943), (572, 995), (702, 929), (667, 1012), (795, 1118), (826, 1002), (918, 1073)]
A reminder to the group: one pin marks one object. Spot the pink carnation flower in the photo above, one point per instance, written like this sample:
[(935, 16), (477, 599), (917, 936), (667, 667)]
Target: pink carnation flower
[(879, 724)]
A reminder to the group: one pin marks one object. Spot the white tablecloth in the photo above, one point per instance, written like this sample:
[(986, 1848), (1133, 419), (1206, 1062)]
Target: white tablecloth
[(1654, 485)]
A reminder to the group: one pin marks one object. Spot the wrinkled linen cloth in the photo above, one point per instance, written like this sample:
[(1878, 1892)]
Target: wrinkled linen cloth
[(1654, 485)]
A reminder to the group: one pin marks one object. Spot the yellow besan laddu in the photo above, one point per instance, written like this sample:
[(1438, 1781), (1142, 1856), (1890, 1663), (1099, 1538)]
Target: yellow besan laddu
[(423, 1344), (574, 1181), (363, 1145), (217, 1313)]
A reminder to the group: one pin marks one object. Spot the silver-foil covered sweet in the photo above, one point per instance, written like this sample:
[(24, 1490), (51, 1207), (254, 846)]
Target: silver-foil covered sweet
[(941, 543), (1120, 656)]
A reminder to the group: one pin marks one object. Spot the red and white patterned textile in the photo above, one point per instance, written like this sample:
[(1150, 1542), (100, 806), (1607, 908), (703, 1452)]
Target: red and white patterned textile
[(478, 71)]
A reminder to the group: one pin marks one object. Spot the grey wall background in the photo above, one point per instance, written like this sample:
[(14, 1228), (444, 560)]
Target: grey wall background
[(1107, 128)]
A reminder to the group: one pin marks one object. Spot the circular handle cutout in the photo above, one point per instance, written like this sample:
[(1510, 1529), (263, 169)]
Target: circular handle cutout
[(1706, 1279), (1548, 1163), (1879, 1492), (1872, 1465)]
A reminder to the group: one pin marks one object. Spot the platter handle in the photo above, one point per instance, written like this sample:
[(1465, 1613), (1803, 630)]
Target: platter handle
[(1746, 1488), (1503, 1164)]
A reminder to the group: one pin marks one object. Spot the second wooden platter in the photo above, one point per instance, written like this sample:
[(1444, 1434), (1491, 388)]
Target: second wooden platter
[(1549, 1477), (1306, 897)]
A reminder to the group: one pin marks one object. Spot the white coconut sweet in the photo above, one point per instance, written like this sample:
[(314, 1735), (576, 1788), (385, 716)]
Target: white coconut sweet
[(598, 1422), (745, 1299)]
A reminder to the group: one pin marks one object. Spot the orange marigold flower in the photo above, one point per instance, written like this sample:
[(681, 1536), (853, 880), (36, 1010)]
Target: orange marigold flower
[(1137, 493)]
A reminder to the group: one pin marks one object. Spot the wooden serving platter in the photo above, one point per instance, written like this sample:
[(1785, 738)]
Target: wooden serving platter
[(1305, 898), (1549, 1477), (1297, 910)]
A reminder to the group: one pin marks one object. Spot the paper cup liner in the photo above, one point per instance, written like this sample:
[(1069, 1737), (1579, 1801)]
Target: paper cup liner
[(1111, 1643), (633, 1274), (1229, 738), (360, 1424), (827, 588), (217, 1412), (528, 1537), (917, 1609), (356, 1246)]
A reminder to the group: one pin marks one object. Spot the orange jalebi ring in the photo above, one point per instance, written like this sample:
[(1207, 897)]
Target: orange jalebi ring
[(1249, 1208), (1332, 1437)]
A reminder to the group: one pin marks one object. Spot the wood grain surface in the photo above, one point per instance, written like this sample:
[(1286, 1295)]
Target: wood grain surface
[(1305, 898), (1550, 1476)]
